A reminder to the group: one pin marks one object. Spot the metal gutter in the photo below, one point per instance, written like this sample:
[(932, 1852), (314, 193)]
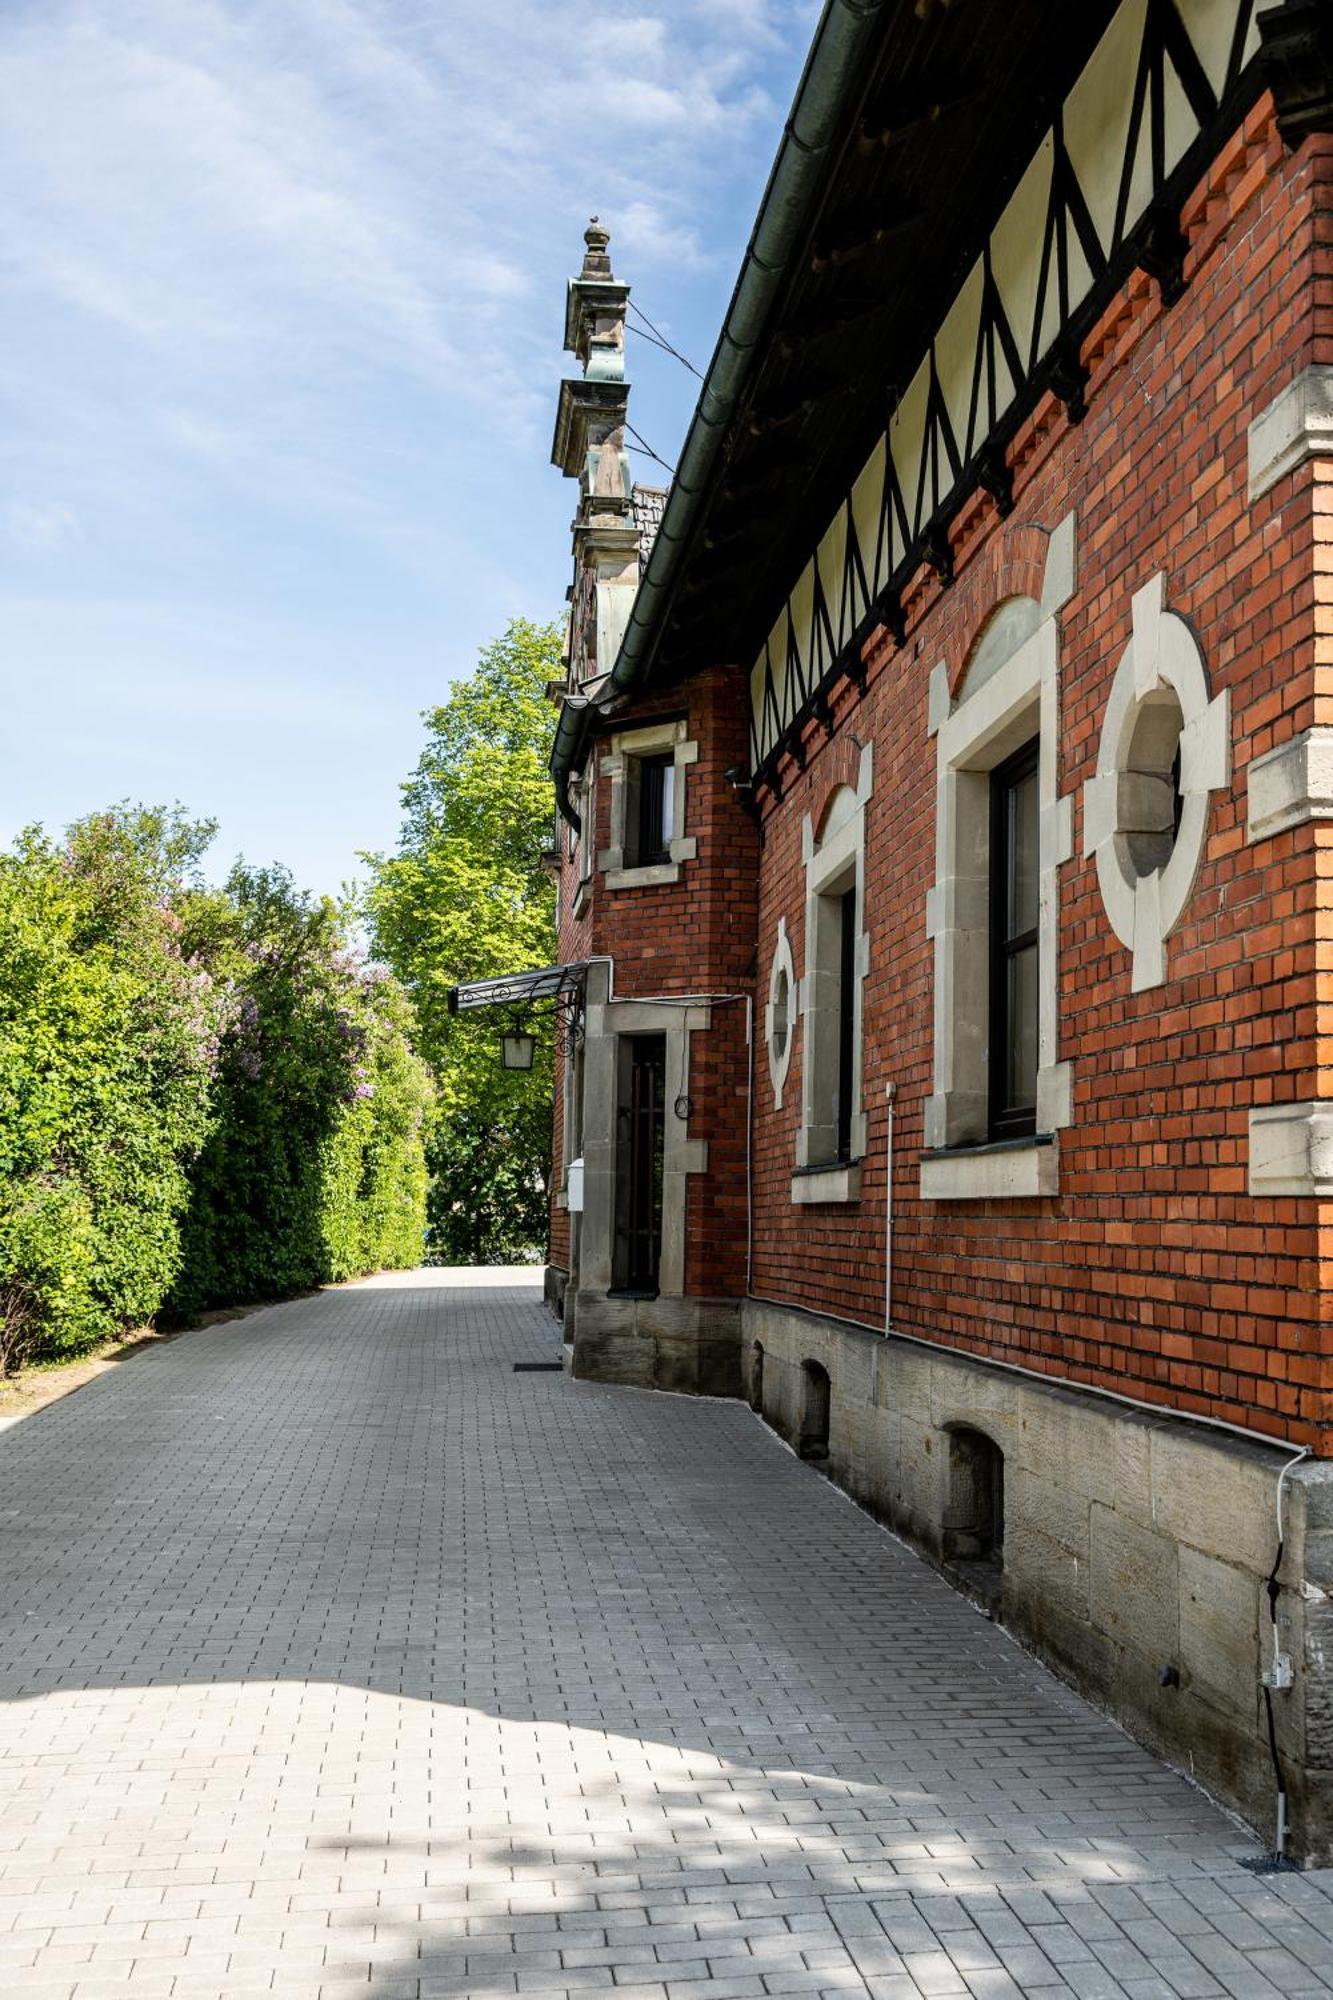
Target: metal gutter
[(834, 66)]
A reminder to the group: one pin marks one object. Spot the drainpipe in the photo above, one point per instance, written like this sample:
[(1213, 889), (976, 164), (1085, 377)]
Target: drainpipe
[(890, 1097), (835, 67)]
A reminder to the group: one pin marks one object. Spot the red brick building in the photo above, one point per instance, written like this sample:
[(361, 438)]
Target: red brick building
[(946, 864)]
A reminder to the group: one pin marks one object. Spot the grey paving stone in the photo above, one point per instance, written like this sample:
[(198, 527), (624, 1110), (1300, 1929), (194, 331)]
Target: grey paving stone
[(336, 1658)]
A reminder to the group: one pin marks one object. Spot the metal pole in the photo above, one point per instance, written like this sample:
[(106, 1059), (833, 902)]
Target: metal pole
[(890, 1094)]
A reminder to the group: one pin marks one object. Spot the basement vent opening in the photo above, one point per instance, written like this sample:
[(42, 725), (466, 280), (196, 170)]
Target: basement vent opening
[(539, 1368), (815, 1414), (974, 1525)]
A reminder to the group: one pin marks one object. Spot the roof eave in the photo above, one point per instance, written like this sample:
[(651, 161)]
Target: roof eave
[(833, 72)]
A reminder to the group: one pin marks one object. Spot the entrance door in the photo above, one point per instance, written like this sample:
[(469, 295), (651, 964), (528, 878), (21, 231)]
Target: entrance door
[(640, 1130)]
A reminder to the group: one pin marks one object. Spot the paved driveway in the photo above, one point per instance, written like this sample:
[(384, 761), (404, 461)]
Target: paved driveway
[(338, 1658)]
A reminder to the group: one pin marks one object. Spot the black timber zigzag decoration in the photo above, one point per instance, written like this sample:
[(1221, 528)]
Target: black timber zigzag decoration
[(1296, 61)]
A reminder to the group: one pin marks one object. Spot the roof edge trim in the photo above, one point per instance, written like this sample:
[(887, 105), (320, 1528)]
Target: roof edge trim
[(833, 67)]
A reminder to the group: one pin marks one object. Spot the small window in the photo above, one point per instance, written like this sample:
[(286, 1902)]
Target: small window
[(650, 814), (815, 1413), (1013, 946), (974, 1526), (1149, 798), (781, 1013), (757, 1377), (832, 1045)]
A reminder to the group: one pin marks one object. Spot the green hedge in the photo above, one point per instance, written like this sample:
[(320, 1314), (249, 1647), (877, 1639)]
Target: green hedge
[(315, 1168), (204, 1097)]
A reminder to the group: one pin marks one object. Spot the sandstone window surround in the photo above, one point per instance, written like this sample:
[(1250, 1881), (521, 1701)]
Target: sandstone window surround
[(1291, 1145), (581, 844), (1010, 695), (831, 1139), (617, 765), (607, 1021), (1164, 748), (780, 1013)]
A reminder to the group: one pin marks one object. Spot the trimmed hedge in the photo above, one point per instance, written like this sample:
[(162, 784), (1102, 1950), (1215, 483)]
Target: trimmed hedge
[(204, 1097)]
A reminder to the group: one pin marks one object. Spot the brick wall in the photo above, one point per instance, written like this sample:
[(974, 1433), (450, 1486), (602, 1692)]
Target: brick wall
[(693, 936), (1153, 1271)]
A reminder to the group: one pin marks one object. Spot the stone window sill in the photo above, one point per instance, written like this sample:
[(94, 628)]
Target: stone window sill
[(654, 877), (836, 1182), (1008, 1170)]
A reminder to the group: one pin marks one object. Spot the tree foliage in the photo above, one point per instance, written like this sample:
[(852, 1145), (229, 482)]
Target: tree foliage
[(314, 1169), (170, 1053), (466, 897), (108, 1036)]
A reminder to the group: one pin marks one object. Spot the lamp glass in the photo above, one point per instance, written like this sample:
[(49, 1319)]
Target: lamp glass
[(516, 1051)]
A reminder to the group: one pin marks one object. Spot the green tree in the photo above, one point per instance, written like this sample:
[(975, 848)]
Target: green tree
[(314, 1170), (466, 897), (109, 1029)]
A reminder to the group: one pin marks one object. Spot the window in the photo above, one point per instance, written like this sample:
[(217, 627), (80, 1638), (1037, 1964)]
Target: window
[(1165, 748), (650, 809), (781, 1013), (831, 1140), (1001, 1093), (831, 1025), (842, 1103), (779, 1024), (1014, 951), (640, 1134), (647, 770)]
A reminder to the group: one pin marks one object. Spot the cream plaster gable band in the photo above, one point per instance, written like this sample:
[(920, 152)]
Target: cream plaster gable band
[(1297, 425), (1143, 909), (1105, 153)]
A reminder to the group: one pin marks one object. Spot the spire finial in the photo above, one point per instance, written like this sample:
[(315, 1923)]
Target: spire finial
[(596, 262)]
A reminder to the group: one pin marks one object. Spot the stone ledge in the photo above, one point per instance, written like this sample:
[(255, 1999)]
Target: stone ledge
[(1291, 784), (655, 876), (992, 1173), (827, 1184), (1291, 1149), (1298, 424)]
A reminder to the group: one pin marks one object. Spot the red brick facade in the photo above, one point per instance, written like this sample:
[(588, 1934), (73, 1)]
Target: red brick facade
[(1153, 1272)]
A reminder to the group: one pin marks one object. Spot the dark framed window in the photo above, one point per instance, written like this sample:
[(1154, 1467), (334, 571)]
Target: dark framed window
[(640, 1139), (650, 809), (1013, 946), (846, 1020)]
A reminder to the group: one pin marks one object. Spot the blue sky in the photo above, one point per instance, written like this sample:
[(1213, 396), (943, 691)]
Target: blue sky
[(283, 300)]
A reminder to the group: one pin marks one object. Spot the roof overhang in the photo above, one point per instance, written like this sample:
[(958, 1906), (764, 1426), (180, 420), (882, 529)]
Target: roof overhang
[(519, 989), (912, 123)]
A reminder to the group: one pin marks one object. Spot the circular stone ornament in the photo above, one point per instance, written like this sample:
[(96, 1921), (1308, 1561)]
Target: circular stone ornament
[(1165, 746), (780, 1013)]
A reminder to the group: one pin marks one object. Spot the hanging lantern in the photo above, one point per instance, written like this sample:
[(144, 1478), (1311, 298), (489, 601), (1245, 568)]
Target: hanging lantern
[(516, 1050)]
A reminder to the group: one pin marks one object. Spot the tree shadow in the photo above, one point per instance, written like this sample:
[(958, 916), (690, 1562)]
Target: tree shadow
[(509, 1679)]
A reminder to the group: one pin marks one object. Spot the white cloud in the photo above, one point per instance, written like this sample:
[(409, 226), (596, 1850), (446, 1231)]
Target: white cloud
[(283, 292), (41, 526)]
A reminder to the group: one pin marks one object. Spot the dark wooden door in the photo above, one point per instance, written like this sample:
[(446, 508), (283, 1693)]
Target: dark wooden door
[(639, 1142)]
